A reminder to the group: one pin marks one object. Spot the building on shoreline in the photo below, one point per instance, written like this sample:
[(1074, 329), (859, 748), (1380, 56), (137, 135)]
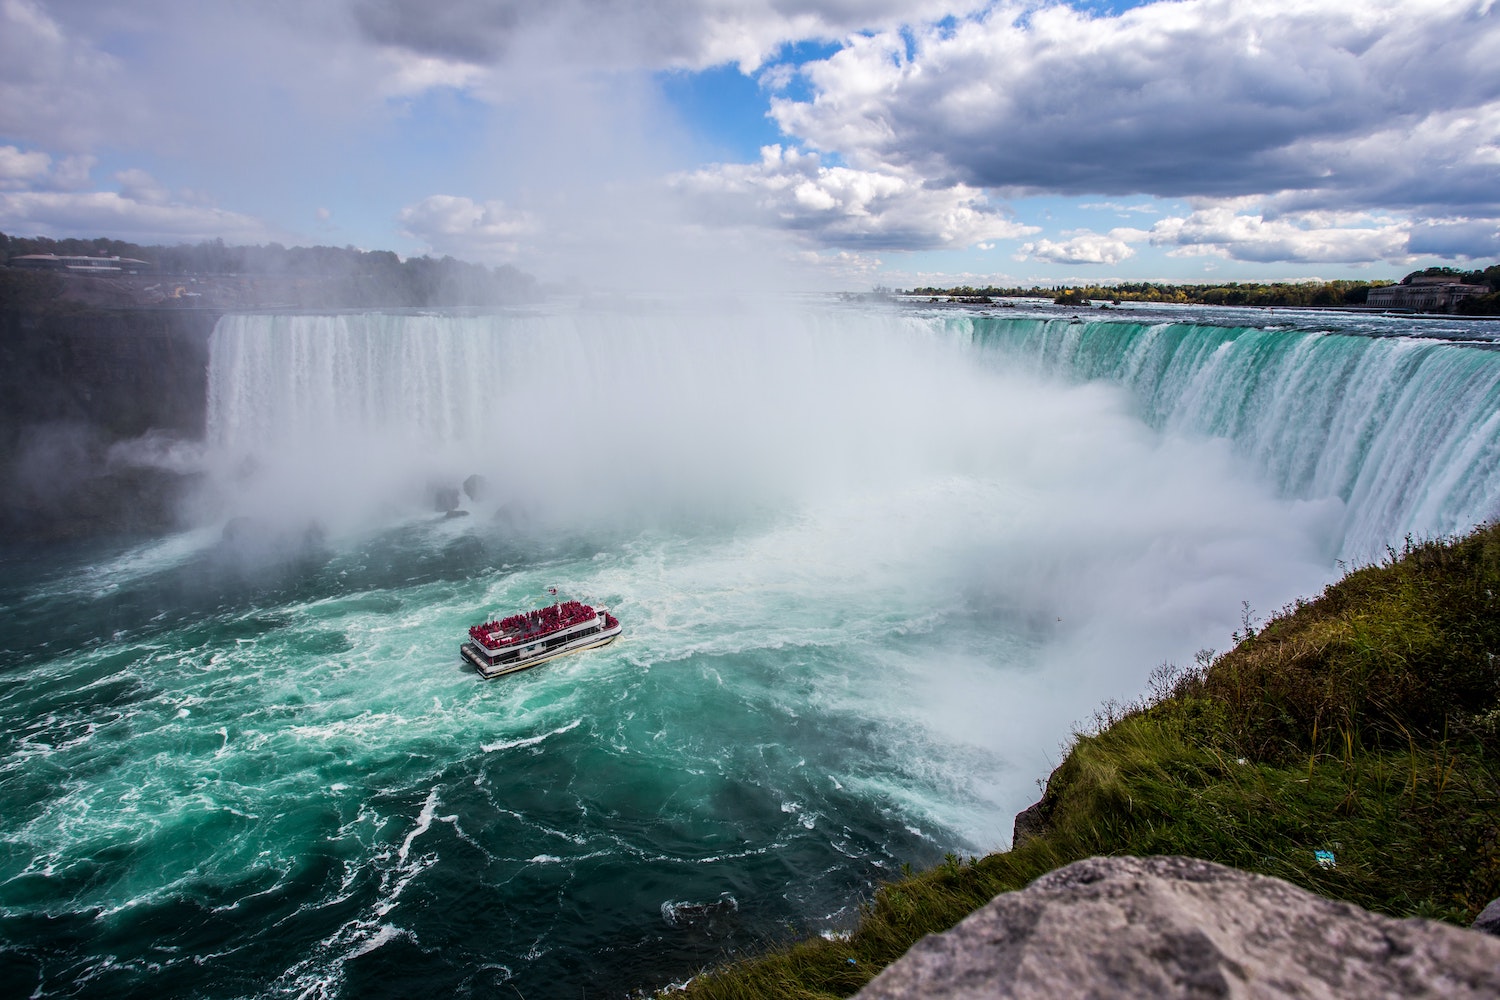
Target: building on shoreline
[(81, 265), (1425, 293)]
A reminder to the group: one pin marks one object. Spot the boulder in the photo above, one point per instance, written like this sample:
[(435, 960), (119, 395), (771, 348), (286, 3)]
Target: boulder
[(1489, 918), (1182, 928), (476, 487)]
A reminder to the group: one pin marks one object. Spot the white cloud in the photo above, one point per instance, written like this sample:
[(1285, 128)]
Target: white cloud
[(1311, 237), (91, 213), (55, 86), (847, 268), (21, 168), (1143, 208), (1083, 247), (448, 224), (139, 186), (842, 207), (1195, 98)]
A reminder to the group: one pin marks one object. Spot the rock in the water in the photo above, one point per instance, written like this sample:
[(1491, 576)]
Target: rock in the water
[(1182, 928), (476, 487), (1489, 918), (444, 499)]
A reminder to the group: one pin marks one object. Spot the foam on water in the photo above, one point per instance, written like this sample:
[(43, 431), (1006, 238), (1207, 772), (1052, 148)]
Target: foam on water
[(871, 567)]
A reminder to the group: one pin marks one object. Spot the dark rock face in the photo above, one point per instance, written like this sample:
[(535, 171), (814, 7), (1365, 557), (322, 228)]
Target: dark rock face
[(1036, 819), (1182, 928), (73, 384), (1030, 822), (476, 487)]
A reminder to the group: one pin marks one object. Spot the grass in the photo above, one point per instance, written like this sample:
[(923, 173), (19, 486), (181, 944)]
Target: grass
[(1365, 723)]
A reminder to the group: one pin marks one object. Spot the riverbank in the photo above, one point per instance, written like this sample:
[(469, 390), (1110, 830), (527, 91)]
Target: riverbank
[(1349, 746)]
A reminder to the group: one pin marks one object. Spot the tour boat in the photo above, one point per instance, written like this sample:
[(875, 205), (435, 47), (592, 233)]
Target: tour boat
[(510, 644)]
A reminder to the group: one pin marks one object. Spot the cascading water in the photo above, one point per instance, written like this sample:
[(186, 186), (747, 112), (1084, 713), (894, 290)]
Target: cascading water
[(1404, 431), (871, 567)]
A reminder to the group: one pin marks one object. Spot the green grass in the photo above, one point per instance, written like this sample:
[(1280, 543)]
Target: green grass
[(1365, 722)]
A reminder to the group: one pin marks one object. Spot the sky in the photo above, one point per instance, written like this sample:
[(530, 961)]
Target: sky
[(801, 143)]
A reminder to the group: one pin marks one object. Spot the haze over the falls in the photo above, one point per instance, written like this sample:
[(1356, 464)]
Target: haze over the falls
[(922, 468), (872, 566)]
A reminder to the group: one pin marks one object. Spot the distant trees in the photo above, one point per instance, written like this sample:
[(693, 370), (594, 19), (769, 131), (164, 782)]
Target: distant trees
[(1482, 305), (1290, 294), (347, 276)]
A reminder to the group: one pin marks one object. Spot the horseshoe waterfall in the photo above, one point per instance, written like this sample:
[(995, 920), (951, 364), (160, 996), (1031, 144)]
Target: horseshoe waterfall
[(872, 565)]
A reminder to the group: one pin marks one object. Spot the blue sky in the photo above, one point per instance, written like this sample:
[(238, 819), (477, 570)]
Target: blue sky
[(803, 143)]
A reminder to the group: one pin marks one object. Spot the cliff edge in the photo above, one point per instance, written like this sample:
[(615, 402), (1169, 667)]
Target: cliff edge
[(92, 402)]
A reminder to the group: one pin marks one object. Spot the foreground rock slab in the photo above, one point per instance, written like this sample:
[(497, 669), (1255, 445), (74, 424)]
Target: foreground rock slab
[(1179, 927)]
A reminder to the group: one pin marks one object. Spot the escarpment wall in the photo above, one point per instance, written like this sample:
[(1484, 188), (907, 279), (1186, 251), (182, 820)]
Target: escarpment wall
[(76, 382)]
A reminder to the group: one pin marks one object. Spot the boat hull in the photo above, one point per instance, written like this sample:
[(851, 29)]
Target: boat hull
[(490, 666)]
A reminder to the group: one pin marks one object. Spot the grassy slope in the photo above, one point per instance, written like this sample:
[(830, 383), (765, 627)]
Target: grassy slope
[(1366, 722)]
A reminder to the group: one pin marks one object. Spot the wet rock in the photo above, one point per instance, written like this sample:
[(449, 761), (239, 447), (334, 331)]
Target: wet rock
[(476, 487), (444, 499), (1183, 928), (1489, 918)]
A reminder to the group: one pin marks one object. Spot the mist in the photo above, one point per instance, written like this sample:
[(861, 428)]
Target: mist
[(773, 461)]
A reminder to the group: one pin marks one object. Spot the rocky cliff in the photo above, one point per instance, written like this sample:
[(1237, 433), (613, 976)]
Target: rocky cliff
[(94, 403)]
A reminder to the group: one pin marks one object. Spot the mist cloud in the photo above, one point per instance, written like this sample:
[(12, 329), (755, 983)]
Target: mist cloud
[(462, 227), (840, 206)]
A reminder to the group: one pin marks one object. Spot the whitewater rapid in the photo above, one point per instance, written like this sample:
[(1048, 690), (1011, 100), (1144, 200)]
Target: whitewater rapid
[(873, 565)]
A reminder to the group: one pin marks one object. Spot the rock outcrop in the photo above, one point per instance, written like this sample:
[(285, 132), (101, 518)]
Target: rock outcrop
[(1489, 918), (1181, 928), (1036, 819)]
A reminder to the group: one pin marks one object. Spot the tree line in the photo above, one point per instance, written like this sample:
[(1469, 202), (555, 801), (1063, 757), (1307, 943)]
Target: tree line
[(347, 275), (1236, 293)]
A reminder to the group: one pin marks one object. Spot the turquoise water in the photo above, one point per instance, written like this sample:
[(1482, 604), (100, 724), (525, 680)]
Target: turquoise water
[(871, 566)]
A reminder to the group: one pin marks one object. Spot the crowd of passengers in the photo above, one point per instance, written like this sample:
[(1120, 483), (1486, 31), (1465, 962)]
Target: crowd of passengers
[(531, 623)]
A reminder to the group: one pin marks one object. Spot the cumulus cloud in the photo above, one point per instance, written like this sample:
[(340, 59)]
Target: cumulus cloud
[(90, 213), (22, 168), (461, 227), (1312, 237), (54, 84), (650, 34), (794, 191), (1084, 247), (1467, 239), (1299, 130), (1208, 98)]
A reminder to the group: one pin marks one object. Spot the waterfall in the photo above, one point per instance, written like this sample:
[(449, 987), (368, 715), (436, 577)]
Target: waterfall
[(1404, 432)]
